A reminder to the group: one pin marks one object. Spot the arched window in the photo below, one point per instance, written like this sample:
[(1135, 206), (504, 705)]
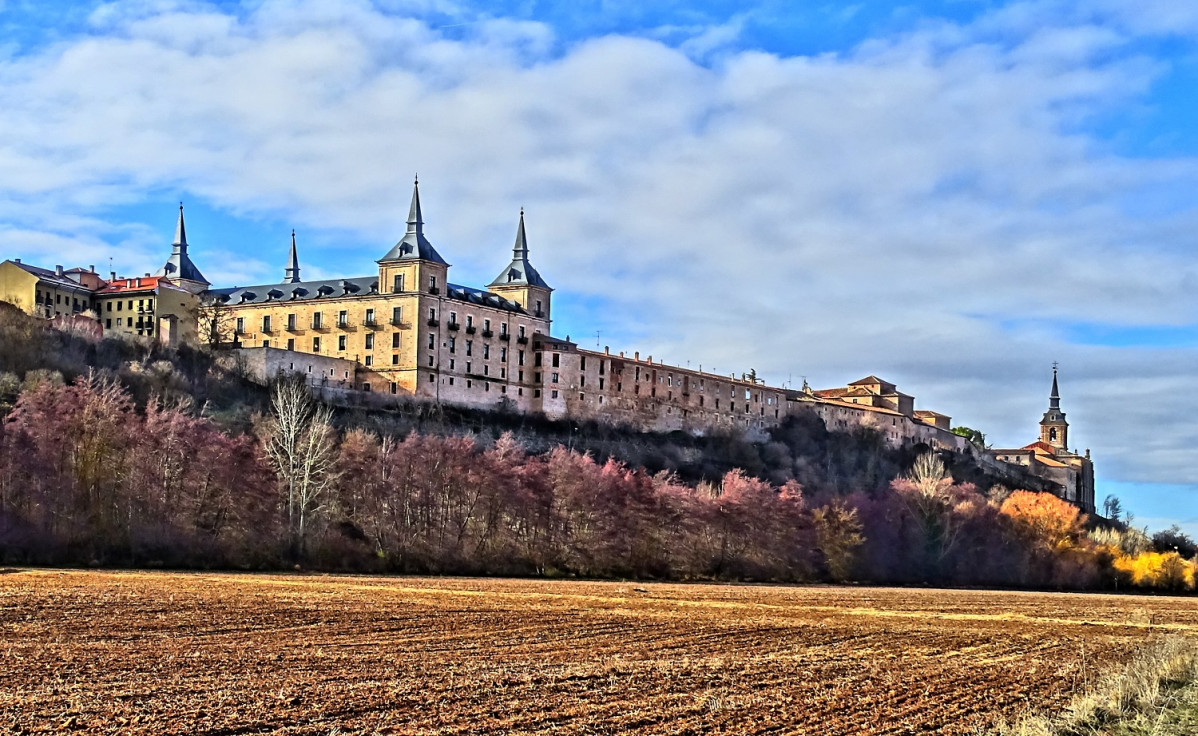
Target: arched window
[(1052, 434)]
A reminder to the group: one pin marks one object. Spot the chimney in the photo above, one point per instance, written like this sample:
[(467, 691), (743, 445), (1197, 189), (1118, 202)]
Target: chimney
[(58, 270), (92, 268), (16, 260), (112, 275), (636, 355), (606, 350), (147, 275), (621, 353)]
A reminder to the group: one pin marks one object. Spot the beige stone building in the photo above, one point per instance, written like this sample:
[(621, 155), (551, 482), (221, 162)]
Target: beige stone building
[(406, 330)]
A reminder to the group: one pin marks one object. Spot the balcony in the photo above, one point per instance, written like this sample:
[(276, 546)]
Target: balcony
[(401, 324), (453, 326), (293, 327), (433, 322), (470, 329), (320, 327), (505, 336), (345, 324), (488, 333), (523, 340), (434, 290), (538, 313), (371, 322)]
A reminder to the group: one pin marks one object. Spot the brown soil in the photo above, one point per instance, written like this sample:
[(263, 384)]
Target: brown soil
[(151, 653)]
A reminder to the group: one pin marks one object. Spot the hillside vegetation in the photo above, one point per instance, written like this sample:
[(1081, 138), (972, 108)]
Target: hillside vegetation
[(121, 454)]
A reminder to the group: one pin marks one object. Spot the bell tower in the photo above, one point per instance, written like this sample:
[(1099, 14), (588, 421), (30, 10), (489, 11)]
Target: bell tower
[(1054, 430)]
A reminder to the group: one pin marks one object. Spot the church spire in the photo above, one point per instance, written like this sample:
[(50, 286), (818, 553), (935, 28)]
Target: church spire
[(1054, 399), (292, 272)]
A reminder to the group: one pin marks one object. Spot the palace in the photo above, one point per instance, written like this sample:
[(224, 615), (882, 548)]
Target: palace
[(406, 331)]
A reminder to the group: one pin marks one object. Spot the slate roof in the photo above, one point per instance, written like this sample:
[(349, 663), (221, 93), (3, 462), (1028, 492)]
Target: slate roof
[(361, 286), (51, 277)]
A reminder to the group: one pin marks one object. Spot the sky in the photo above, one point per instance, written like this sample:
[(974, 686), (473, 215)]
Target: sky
[(950, 194)]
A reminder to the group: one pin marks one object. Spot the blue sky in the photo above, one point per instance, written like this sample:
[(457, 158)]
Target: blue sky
[(949, 194)]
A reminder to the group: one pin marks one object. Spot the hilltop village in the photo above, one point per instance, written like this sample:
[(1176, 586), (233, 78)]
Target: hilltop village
[(406, 331)]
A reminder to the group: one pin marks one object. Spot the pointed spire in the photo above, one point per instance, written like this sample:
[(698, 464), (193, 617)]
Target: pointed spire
[(413, 245), (292, 272), (1054, 399), (520, 272), (415, 216), (520, 251), (180, 233)]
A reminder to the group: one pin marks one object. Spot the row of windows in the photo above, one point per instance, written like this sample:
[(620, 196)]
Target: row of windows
[(120, 303)]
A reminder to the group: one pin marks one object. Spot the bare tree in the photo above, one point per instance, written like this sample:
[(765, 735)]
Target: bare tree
[(299, 440)]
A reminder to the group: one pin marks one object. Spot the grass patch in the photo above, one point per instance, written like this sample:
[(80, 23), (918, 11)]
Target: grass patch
[(1155, 692)]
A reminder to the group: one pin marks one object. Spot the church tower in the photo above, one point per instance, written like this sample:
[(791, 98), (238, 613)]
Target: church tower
[(413, 264), (520, 282), (1054, 430)]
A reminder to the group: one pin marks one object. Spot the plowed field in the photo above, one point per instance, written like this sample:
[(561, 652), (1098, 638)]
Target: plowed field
[(152, 653)]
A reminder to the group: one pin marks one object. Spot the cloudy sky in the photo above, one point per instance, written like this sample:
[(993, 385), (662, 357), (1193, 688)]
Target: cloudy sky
[(951, 194)]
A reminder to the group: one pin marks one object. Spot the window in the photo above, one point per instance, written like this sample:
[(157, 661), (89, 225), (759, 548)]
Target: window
[(397, 316), (342, 318), (468, 364), (266, 343), (536, 359), (432, 284), (469, 347), (503, 372), (394, 387), (469, 320), (536, 377), (557, 360), (291, 321), (503, 328), (600, 384), (451, 380), (240, 325), (521, 333), (394, 360), (582, 380), (316, 344), (397, 286), (118, 321), (432, 342), (486, 351), (108, 323), (539, 312), (369, 360), (432, 377), (521, 377), (291, 343), (316, 322), (453, 318), (536, 393), (395, 340), (521, 355), (486, 324), (109, 309), (341, 342), (432, 314), (503, 354), (486, 370), (370, 316), (370, 341), (553, 394), (453, 343), (266, 323), (430, 361)]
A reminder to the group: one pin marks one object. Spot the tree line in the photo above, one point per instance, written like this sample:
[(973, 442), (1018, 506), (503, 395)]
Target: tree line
[(89, 477)]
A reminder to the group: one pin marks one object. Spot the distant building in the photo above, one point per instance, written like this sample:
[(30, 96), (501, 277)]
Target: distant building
[(1050, 457)]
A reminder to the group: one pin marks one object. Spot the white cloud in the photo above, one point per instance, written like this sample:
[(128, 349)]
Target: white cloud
[(919, 207)]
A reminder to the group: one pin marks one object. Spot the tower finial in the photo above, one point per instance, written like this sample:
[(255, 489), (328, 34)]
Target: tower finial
[(291, 274), (1054, 399)]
